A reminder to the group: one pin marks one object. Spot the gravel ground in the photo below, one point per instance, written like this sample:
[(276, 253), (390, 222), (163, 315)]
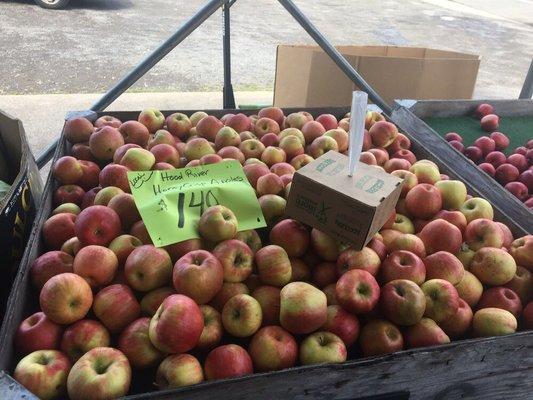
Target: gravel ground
[(87, 47)]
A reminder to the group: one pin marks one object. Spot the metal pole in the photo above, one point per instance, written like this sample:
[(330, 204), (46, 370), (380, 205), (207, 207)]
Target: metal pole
[(335, 55), (527, 89), (227, 90), (143, 67)]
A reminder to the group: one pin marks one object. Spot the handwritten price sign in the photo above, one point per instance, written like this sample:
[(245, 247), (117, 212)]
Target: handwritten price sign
[(171, 202)]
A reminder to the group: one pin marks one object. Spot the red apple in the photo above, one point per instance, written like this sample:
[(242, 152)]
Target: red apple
[(97, 225), (83, 336), (147, 268), (379, 337), (116, 307), (107, 120), (425, 333), (227, 361), (48, 265), (365, 259), (488, 168), (442, 299), (152, 118), (303, 308), (490, 122), (217, 223), (135, 343), (96, 264), (104, 142), (357, 291), (486, 144), (236, 259), (473, 153), (433, 233), (343, 324), (37, 332), (134, 132), (501, 297), (179, 125), (402, 264), (78, 130), (483, 110), (453, 136), (423, 201), (501, 141)]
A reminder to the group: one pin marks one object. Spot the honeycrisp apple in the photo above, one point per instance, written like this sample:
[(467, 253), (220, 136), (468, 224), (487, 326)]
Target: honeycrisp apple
[(273, 348), (453, 194), (380, 336), (147, 268), (179, 370), (403, 302), (218, 223), (303, 308), (227, 361), (37, 332), (236, 259), (322, 347), (273, 265), (135, 343), (83, 336), (242, 315)]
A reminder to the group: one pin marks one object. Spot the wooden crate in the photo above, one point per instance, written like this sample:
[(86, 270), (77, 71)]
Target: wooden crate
[(475, 368)]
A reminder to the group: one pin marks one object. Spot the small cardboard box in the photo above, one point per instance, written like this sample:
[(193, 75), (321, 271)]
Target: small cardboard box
[(350, 209), (394, 72)]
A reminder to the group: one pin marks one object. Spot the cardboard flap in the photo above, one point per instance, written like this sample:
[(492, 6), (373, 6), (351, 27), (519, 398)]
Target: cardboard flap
[(293, 66)]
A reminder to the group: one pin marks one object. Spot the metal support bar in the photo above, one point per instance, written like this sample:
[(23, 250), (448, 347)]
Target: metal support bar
[(144, 66), (527, 89), (227, 91), (335, 55)]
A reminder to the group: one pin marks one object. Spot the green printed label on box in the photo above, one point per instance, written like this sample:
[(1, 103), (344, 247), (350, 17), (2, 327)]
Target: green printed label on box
[(171, 202)]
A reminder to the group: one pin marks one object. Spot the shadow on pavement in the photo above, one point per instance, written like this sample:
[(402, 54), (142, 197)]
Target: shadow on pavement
[(86, 4)]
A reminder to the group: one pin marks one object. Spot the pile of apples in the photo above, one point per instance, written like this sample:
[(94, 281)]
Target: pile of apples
[(515, 172), (236, 302)]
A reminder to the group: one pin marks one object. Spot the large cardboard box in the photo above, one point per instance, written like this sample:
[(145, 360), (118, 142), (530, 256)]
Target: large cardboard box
[(307, 77)]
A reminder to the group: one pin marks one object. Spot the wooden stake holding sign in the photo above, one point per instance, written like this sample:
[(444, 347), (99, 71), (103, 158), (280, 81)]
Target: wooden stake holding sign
[(341, 196)]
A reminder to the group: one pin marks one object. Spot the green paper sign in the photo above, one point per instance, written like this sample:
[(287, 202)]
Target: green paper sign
[(171, 201)]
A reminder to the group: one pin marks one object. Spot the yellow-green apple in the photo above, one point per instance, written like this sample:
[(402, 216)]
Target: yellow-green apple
[(295, 120), (78, 130), (66, 298), (268, 298), (273, 265), (208, 127), (162, 136), (383, 133), (138, 229), (453, 194), (179, 125), (493, 322), (501, 297), (379, 336), (197, 117), (97, 225), (115, 175), (357, 291), (403, 224), (68, 194), (116, 307), (177, 325), (228, 361), (135, 343), (269, 184), (134, 132), (324, 274), (343, 324), (166, 153), (272, 155), (475, 208), (324, 245), (44, 373), (104, 142), (442, 299), (272, 207), (403, 302), (48, 265), (199, 275), (83, 336), (178, 370), (340, 136), (227, 136), (328, 121), (322, 145), (273, 348), (119, 153), (444, 265), (423, 201), (265, 125), (236, 259), (460, 323), (147, 268), (104, 196), (242, 315), (67, 208), (365, 259), (71, 247), (408, 242), (213, 329), (425, 172), (483, 232), (292, 236), (522, 251), (196, 148), (403, 264), (469, 288), (292, 132), (493, 266), (300, 271), (303, 308), (107, 120), (229, 289), (435, 230), (274, 113), (312, 130), (232, 152), (67, 170), (37, 332), (96, 264), (152, 118), (522, 284), (425, 333), (218, 223), (292, 146), (101, 373), (138, 159), (301, 160), (389, 235), (322, 347), (151, 301), (251, 238), (465, 255)]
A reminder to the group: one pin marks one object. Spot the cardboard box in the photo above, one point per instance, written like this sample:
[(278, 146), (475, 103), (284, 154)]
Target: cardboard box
[(350, 209), (307, 77)]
